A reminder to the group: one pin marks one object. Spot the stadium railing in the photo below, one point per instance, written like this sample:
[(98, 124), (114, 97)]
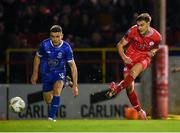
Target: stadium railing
[(95, 65)]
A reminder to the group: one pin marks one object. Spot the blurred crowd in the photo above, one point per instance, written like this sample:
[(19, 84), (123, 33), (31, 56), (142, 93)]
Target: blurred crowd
[(85, 23)]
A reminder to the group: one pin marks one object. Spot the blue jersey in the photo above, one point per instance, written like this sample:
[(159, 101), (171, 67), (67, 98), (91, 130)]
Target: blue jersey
[(54, 58)]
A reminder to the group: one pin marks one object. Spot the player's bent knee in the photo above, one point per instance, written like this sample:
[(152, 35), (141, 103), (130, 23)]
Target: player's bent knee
[(133, 73), (47, 101), (58, 88), (129, 89), (47, 97), (57, 91)]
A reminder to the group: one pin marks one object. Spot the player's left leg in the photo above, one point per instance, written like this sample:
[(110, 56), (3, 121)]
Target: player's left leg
[(130, 91), (57, 88), (128, 80)]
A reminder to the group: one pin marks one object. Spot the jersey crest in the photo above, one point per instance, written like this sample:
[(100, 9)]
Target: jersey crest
[(151, 43), (54, 58), (59, 56)]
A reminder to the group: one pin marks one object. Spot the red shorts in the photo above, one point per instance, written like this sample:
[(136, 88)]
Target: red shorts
[(144, 61)]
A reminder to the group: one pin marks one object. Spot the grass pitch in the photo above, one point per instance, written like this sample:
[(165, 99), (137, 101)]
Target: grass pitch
[(90, 126)]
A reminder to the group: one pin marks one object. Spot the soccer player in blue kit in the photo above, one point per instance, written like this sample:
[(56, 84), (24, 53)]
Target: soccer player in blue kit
[(51, 59)]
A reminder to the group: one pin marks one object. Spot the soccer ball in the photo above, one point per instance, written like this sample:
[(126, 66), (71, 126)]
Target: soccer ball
[(17, 104)]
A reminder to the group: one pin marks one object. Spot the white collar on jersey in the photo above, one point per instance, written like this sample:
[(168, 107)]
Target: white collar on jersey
[(58, 45)]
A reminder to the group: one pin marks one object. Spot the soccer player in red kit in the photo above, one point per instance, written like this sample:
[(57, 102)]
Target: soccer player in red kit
[(142, 41)]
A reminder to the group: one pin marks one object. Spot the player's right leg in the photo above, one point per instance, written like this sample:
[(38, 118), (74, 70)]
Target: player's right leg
[(57, 88), (113, 90), (48, 99), (47, 96), (128, 80)]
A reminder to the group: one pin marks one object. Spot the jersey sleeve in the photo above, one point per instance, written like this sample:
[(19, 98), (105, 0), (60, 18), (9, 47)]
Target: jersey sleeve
[(158, 39), (129, 35), (40, 50), (69, 54)]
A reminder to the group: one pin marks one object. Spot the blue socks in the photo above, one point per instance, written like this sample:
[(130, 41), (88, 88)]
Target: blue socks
[(54, 107)]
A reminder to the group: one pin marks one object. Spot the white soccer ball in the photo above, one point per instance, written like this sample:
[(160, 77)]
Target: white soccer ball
[(17, 104)]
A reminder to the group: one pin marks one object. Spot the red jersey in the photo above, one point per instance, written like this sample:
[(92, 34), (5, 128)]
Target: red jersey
[(139, 45)]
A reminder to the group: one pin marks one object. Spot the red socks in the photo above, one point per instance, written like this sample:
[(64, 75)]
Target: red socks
[(128, 81), (134, 100), (132, 96), (125, 83)]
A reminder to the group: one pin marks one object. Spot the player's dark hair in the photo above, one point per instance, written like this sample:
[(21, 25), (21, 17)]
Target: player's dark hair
[(144, 16), (56, 28)]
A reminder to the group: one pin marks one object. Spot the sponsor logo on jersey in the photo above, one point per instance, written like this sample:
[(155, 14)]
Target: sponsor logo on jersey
[(53, 62)]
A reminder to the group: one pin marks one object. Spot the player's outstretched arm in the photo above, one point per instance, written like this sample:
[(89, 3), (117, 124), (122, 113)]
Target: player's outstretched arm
[(74, 73), (34, 76)]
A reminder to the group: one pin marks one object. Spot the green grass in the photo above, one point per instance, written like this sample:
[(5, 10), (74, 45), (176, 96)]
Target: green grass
[(90, 126)]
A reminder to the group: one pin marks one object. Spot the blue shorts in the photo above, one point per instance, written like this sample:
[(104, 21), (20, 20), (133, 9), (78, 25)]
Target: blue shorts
[(49, 79)]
